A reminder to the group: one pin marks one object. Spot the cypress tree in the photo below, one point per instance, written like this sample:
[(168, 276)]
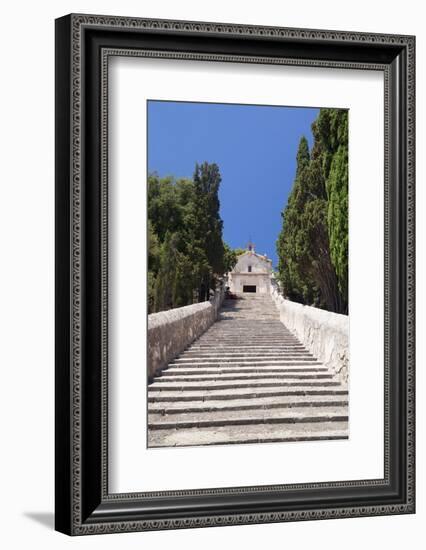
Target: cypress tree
[(208, 230), (313, 243)]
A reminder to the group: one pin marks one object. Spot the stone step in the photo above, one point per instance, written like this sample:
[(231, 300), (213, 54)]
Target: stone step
[(232, 358), (253, 307), (174, 377), (248, 304), (243, 303), (208, 347), (242, 335), (241, 319), (250, 299), (255, 340), (227, 319), (242, 418), (244, 338), (242, 342), (257, 363), (263, 433), (182, 369), (251, 311), (241, 354), (222, 394), (249, 350), (250, 331), (248, 338), (280, 402), (274, 326), (262, 383), (248, 308), (240, 325), (244, 331), (226, 357), (244, 353), (247, 379), (231, 353)]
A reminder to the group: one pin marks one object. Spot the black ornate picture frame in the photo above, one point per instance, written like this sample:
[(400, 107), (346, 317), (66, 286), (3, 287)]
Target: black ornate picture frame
[(84, 43)]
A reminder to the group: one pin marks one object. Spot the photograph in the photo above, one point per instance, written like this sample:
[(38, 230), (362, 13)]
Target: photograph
[(247, 273), (234, 273)]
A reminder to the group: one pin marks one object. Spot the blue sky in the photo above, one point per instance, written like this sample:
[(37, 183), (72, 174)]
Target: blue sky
[(255, 148)]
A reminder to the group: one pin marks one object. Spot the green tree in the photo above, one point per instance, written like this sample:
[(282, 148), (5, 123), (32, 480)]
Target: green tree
[(331, 130), (229, 259), (293, 241), (313, 243), (164, 210), (208, 225), (164, 284), (186, 253), (153, 264), (239, 251)]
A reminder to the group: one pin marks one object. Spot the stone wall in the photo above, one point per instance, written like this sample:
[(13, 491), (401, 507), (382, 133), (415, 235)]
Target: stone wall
[(170, 332), (325, 334)]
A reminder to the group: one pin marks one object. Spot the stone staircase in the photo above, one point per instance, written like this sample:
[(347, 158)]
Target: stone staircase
[(247, 379)]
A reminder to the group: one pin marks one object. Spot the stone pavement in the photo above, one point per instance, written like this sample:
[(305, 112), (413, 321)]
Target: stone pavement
[(247, 379)]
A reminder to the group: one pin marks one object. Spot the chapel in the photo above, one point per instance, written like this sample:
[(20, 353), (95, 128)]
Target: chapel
[(251, 273)]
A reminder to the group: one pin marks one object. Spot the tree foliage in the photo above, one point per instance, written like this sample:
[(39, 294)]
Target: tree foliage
[(313, 243), (186, 252), (229, 258)]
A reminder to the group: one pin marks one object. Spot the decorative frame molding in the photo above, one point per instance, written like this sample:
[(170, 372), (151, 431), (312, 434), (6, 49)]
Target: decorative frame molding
[(84, 44)]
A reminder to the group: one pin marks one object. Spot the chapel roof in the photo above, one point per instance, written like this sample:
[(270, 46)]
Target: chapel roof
[(263, 257)]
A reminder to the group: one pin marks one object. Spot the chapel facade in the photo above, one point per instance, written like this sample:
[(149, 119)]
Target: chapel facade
[(251, 274)]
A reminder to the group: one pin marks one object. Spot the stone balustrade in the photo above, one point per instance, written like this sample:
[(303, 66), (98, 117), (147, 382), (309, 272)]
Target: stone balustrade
[(325, 334), (170, 332)]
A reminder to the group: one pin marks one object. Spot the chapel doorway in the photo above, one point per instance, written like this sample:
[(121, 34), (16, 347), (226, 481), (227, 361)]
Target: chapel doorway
[(249, 288)]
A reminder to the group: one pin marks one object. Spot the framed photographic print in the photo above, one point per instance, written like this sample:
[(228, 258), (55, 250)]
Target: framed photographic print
[(234, 274)]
